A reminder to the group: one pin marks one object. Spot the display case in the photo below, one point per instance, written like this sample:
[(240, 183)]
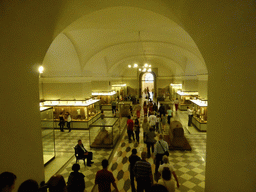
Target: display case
[(166, 104), (124, 108), (185, 99), (104, 133), (48, 136), (83, 113), (200, 114)]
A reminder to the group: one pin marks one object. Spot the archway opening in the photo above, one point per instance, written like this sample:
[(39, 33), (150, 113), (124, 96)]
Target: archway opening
[(147, 81)]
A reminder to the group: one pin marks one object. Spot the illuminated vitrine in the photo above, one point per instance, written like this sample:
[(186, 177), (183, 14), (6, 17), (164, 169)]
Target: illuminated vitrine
[(185, 99), (104, 133), (83, 113), (200, 114)]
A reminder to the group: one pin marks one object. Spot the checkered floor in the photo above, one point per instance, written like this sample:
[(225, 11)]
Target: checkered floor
[(189, 165)]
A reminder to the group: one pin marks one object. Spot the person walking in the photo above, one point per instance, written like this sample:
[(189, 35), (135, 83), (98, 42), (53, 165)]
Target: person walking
[(143, 174), (162, 110), (105, 178), (76, 181), (166, 163), (150, 141), (167, 180), (130, 129), (190, 115), (145, 108), (170, 114), (160, 148), (62, 122), (137, 129), (164, 121), (69, 119), (133, 159), (176, 103)]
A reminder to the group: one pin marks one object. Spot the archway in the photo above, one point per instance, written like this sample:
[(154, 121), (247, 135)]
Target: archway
[(147, 85)]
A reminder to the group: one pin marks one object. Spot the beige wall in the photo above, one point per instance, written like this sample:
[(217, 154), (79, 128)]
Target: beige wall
[(66, 91), (203, 89), (101, 86), (190, 85)]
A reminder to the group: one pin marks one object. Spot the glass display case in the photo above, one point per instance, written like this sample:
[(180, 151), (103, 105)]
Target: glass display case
[(48, 137), (83, 113), (185, 99), (104, 133), (166, 104), (124, 108), (200, 114)]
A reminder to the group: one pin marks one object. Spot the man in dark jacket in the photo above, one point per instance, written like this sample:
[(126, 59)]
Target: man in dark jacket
[(162, 110), (133, 159), (82, 152)]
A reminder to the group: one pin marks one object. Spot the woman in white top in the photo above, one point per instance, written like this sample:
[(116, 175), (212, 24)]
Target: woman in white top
[(167, 180), (168, 165)]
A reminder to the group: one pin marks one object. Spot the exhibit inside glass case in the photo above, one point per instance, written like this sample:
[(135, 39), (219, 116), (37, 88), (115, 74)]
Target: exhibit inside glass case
[(200, 114), (124, 108), (48, 137), (185, 99), (104, 133), (83, 113)]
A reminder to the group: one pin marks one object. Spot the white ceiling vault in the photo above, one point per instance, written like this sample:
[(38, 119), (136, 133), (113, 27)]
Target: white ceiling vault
[(102, 44)]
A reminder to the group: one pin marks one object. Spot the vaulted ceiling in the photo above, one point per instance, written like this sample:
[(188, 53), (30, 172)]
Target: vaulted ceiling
[(103, 43)]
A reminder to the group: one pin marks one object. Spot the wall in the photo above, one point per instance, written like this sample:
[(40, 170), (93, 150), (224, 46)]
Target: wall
[(203, 89), (66, 91), (190, 85), (101, 86)]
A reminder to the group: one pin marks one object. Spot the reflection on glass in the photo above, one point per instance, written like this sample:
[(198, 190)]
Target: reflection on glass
[(48, 137), (105, 134)]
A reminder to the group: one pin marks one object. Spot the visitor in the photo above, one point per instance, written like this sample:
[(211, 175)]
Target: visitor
[(76, 181), (137, 129), (7, 181), (130, 129), (29, 185), (150, 141), (166, 180), (143, 174), (83, 153), (57, 184), (133, 159), (167, 164), (105, 178), (190, 115), (170, 114), (160, 148)]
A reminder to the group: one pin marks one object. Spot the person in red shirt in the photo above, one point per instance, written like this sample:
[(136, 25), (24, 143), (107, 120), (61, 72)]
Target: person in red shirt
[(104, 178), (130, 129)]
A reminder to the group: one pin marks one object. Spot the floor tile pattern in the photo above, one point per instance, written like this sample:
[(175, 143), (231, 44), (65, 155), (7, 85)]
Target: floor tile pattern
[(189, 165)]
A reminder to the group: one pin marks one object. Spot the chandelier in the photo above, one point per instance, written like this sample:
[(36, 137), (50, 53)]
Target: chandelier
[(143, 68)]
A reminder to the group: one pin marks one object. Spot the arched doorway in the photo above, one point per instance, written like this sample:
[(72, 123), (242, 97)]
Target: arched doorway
[(148, 85)]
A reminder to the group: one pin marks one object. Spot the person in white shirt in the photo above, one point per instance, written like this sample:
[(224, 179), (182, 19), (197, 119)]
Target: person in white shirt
[(167, 164), (152, 120), (160, 148), (167, 180), (69, 119), (190, 115)]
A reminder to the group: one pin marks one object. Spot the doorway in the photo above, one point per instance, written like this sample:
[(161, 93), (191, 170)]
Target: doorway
[(147, 85)]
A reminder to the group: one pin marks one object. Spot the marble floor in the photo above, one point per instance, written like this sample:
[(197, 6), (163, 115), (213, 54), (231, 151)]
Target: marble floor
[(189, 165)]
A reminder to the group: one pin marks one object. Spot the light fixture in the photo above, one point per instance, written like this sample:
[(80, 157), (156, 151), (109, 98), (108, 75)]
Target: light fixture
[(141, 67), (41, 69)]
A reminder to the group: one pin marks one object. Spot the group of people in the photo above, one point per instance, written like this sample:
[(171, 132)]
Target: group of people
[(140, 169), (62, 121)]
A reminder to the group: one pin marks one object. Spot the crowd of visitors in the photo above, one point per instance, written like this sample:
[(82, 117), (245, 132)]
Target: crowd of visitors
[(154, 122)]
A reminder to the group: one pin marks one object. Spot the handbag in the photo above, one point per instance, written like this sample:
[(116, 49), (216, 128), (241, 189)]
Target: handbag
[(165, 152)]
